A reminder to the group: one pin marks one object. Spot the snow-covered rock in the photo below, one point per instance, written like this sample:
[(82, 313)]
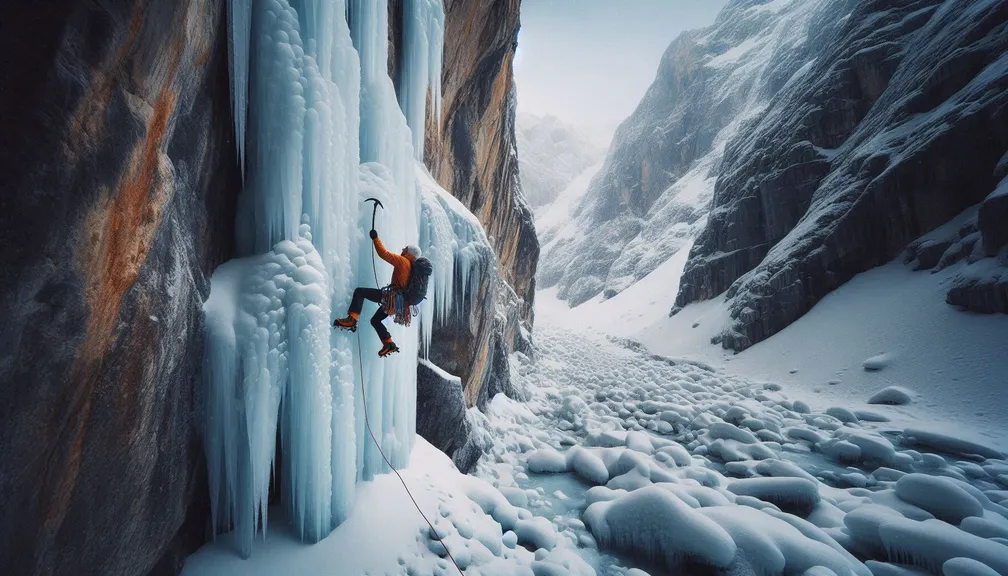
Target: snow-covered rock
[(442, 418), (896, 395)]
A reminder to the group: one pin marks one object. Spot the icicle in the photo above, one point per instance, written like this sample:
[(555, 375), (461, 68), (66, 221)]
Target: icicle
[(423, 33), (436, 58), (451, 238), (239, 29)]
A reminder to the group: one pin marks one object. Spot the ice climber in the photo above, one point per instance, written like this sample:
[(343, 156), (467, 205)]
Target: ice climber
[(410, 273)]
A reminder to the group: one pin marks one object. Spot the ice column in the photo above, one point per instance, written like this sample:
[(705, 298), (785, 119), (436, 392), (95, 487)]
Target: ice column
[(267, 364), (423, 39), (387, 174), (311, 101)]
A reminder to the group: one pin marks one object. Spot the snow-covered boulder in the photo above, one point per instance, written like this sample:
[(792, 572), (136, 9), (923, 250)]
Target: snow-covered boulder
[(442, 418)]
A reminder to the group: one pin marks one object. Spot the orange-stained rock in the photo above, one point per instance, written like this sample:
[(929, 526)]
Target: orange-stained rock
[(119, 183)]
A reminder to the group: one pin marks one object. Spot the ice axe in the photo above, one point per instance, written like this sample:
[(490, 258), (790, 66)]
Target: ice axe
[(374, 213)]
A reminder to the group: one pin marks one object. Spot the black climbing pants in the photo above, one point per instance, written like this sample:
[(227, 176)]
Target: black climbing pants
[(374, 295)]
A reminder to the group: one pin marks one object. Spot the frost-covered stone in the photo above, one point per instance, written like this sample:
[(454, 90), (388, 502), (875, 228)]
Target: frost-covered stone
[(790, 494), (939, 496), (894, 395), (655, 523), (931, 543)]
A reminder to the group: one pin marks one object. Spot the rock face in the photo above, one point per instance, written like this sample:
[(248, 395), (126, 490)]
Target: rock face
[(119, 190), (467, 342), (442, 416), (894, 124), (795, 144), (440, 407), (481, 328), (993, 212), (472, 153), (974, 240)]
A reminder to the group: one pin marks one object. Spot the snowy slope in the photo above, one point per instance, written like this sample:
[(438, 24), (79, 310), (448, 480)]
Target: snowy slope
[(953, 361), (553, 220), (550, 155)]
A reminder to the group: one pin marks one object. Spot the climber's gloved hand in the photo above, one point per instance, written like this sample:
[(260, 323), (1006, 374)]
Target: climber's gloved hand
[(374, 233)]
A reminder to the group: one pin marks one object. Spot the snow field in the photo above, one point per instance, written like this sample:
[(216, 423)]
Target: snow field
[(940, 369), (683, 465)]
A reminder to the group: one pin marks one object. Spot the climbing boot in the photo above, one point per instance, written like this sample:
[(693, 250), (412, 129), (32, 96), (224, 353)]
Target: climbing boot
[(388, 348), (348, 323)]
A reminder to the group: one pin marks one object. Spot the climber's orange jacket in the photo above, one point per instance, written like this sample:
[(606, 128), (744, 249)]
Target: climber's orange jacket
[(402, 264)]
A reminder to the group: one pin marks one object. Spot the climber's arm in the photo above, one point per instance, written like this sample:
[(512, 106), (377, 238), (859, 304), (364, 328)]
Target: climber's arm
[(395, 260)]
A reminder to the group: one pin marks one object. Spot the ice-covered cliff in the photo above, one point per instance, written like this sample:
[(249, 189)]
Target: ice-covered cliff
[(325, 127), (473, 155)]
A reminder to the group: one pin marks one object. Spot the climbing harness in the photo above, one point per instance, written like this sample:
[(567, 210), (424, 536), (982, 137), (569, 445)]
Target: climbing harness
[(367, 423), (394, 304)]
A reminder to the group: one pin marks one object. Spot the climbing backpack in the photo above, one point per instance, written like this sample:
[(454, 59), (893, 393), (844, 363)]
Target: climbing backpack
[(416, 287)]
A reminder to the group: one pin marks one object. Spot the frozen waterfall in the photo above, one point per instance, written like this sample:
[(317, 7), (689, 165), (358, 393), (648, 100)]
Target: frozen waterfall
[(318, 129)]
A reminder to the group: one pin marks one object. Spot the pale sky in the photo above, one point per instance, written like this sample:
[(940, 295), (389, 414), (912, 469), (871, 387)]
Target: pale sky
[(589, 62)]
